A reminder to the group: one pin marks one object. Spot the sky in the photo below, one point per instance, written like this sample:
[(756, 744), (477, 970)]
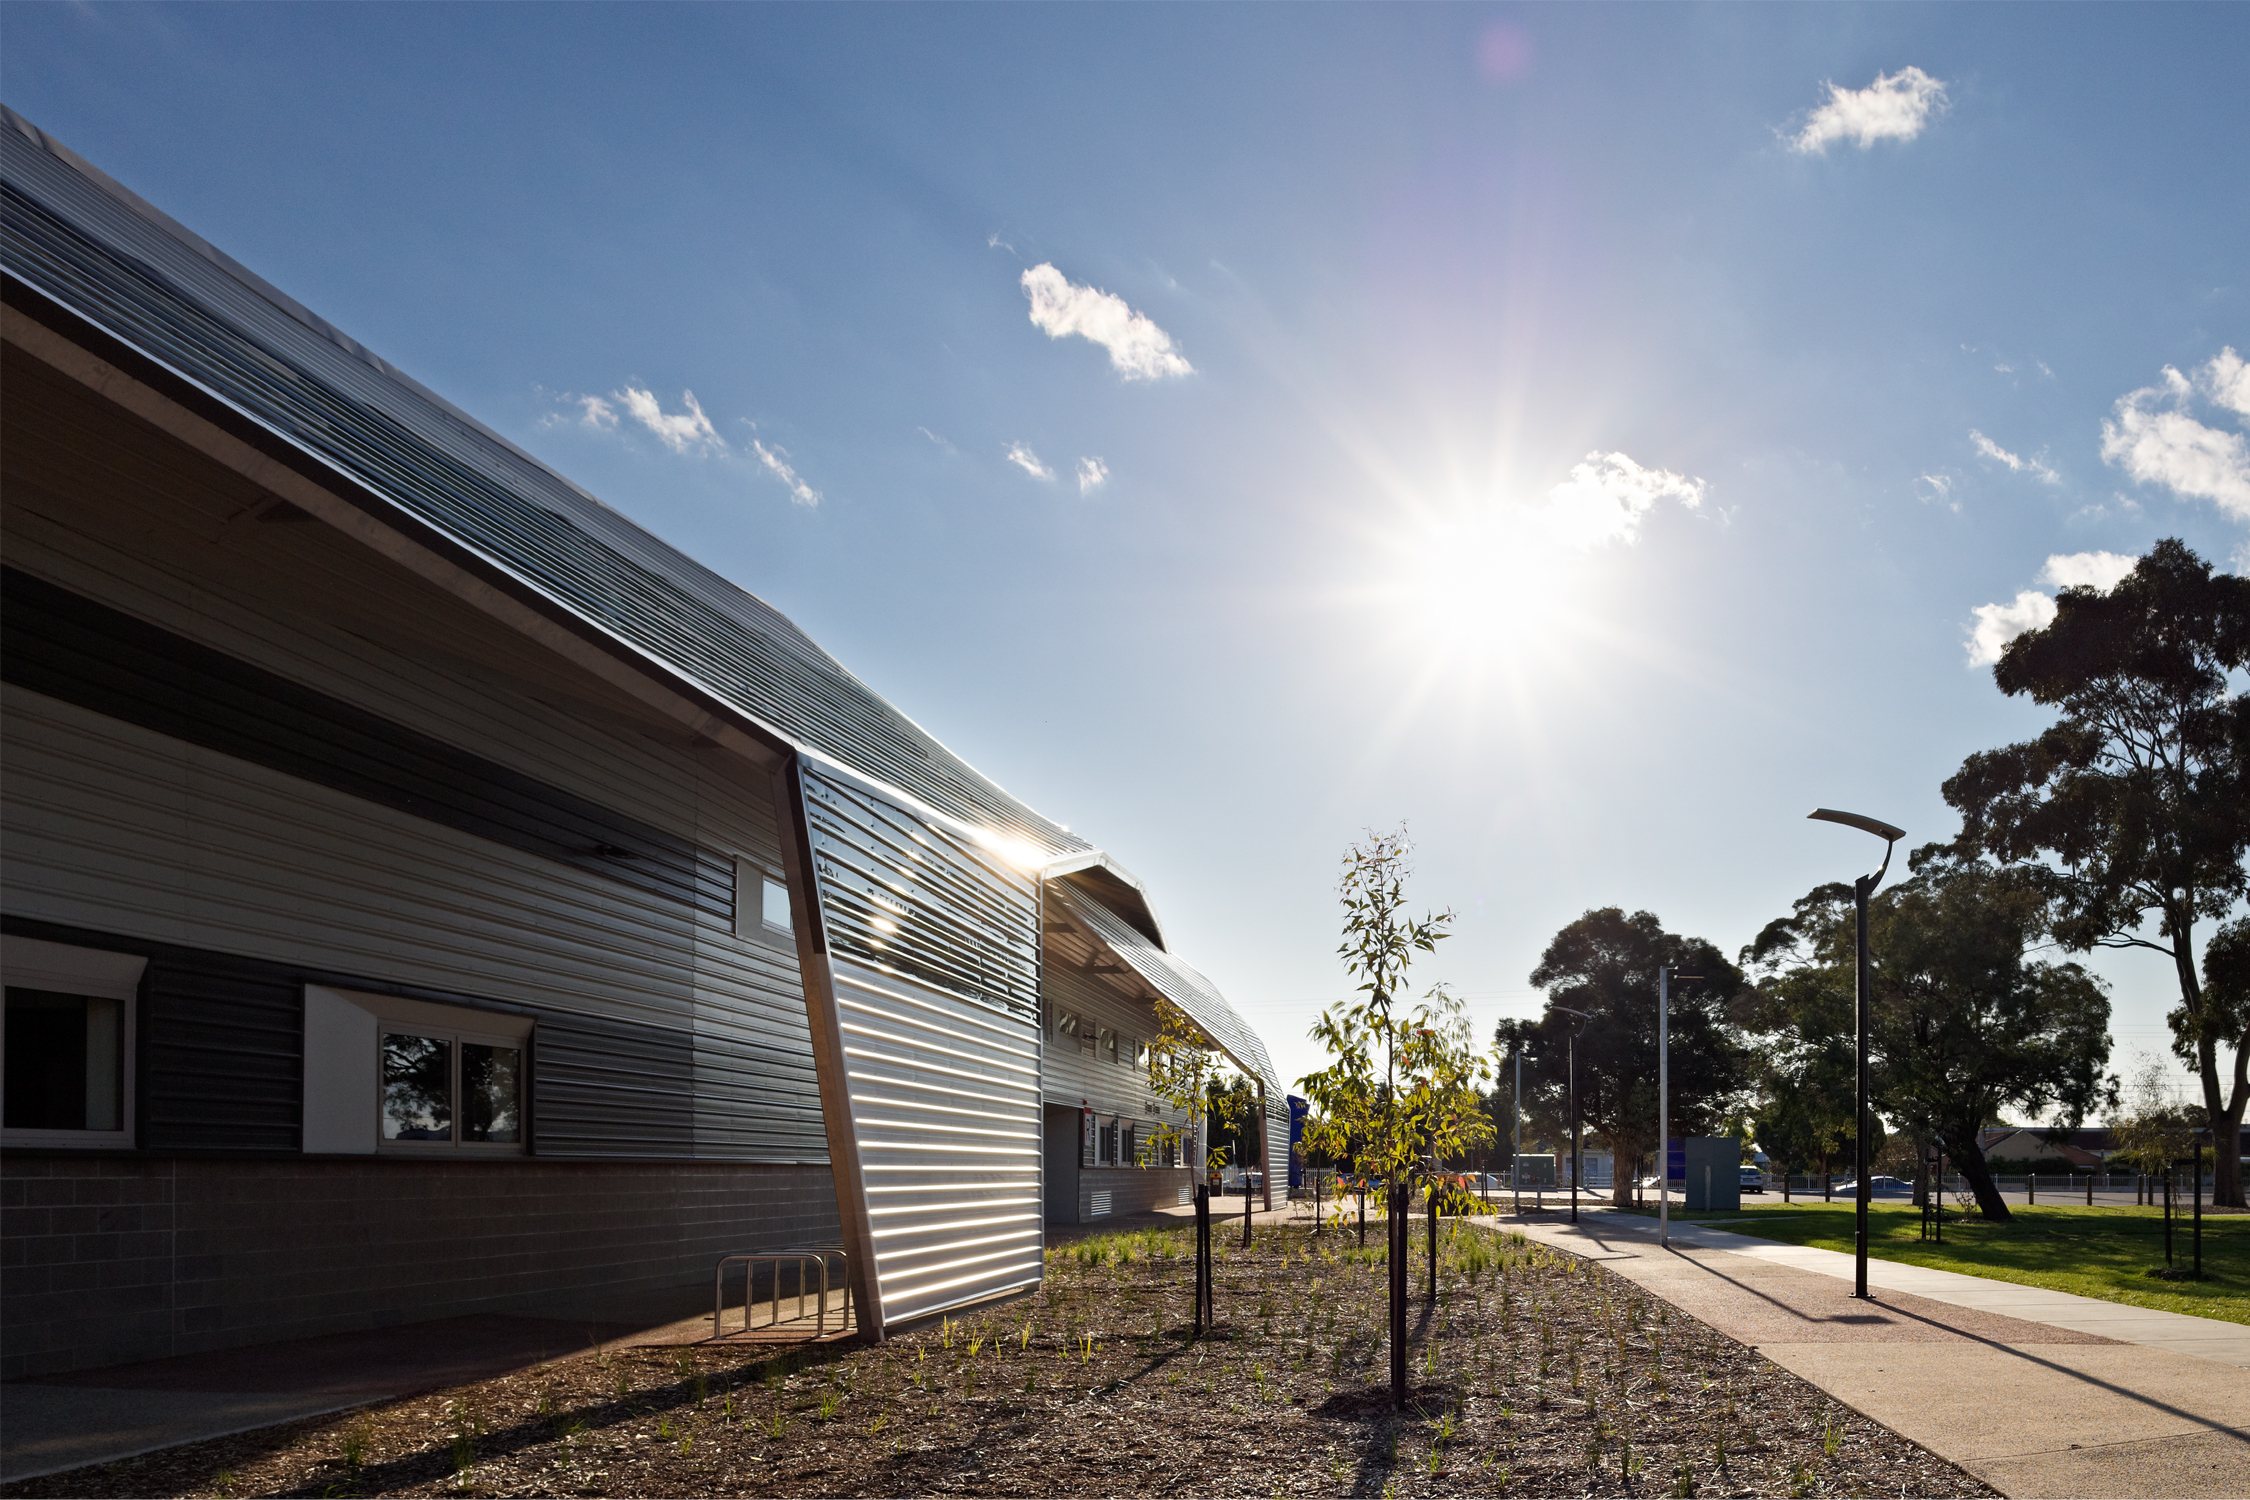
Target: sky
[(1592, 436)]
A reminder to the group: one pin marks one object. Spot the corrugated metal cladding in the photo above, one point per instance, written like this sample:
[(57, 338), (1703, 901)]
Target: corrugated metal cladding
[(69, 647), (85, 243), (933, 947), (1176, 981)]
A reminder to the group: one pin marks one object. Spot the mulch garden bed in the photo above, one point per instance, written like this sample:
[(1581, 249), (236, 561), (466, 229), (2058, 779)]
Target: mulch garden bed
[(1536, 1373)]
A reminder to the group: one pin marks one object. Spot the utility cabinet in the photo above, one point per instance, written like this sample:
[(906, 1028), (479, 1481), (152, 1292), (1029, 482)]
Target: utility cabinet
[(1706, 1171)]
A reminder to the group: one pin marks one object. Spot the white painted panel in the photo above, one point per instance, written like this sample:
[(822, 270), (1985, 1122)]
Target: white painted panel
[(945, 1117), (340, 1083)]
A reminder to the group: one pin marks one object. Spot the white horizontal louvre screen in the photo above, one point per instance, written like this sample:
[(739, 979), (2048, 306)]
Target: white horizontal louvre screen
[(945, 1111), (933, 944)]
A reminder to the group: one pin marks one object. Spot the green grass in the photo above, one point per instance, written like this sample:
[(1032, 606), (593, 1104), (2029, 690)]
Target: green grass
[(2095, 1252)]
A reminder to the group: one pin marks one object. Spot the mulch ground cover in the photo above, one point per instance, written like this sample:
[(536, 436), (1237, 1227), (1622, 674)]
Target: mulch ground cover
[(1534, 1373)]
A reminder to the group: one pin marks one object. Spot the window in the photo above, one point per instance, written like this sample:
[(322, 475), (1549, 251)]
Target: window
[(1128, 1146), (1109, 1141), (1109, 1045), (386, 1074), (68, 1042), (450, 1089), (761, 905)]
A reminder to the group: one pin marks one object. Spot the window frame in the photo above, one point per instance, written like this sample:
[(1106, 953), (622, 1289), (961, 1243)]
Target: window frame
[(751, 877), (94, 974), (455, 1040)]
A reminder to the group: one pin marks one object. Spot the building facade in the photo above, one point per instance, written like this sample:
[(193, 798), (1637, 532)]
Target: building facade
[(427, 893)]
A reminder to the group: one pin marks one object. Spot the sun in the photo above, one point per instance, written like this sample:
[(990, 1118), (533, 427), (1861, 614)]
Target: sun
[(1488, 586)]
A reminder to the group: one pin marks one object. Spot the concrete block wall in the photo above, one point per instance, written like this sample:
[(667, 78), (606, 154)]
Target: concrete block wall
[(105, 1260)]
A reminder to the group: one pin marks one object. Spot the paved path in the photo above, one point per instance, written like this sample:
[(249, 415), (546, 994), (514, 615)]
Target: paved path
[(2036, 1393)]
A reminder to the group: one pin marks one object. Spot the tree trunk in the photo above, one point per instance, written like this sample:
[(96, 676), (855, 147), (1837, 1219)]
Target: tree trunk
[(2225, 1123), (2222, 1115), (1433, 1244), (1969, 1159), (1397, 1284)]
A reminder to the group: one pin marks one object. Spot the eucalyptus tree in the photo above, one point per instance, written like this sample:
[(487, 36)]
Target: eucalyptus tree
[(2135, 804), (1965, 1024), (1605, 964)]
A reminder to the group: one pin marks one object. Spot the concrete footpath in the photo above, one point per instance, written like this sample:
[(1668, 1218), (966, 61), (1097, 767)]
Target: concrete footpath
[(2037, 1393)]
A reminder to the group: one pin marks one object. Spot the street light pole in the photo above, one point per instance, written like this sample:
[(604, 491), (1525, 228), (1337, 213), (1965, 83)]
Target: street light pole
[(1515, 1123), (1862, 1157), (1664, 1105), (1573, 1087), (1664, 978)]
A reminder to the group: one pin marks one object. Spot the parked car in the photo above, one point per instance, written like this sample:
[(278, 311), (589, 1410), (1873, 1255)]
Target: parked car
[(1753, 1180), (1877, 1187)]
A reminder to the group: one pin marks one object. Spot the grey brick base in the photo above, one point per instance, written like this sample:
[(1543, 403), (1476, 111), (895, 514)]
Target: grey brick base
[(109, 1259)]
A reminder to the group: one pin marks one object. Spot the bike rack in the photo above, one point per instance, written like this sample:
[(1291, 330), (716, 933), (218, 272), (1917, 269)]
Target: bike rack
[(799, 1257)]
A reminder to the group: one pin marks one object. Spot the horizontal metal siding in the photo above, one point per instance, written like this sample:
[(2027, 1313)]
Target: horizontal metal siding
[(945, 1116), (1070, 1075), (221, 1054), (121, 266), (113, 828), (67, 646)]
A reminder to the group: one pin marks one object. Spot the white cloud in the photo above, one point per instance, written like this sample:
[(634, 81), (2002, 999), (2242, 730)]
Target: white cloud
[(2087, 570), (1998, 624), (2152, 438), (1894, 107), (776, 461), (1092, 475), (1138, 349), (1606, 497), (1023, 458), (2226, 380), (1998, 454), (678, 432)]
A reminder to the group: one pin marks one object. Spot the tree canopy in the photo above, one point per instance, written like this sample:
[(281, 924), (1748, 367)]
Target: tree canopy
[(2134, 806), (1963, 1024), (1605, 964)]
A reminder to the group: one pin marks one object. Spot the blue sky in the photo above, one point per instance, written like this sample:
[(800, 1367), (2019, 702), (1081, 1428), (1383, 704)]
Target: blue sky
[(1586, 433)]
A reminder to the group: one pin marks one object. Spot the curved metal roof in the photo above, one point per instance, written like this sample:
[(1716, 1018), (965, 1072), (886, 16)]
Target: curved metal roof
[(79, 239), (1176, 981)]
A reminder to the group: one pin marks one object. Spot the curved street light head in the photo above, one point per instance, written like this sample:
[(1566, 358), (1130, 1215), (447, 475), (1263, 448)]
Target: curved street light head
[(1889, 833), (1860, 821)]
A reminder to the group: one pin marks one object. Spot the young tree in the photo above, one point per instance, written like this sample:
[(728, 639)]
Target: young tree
[(1379, 1092), (1187, 1074), (2136, 804), (2153, 1129), (1605, 964), (1963, 1025)]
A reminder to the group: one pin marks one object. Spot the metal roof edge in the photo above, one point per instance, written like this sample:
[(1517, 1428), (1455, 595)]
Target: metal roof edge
[(1102, 860), (1182, 984)]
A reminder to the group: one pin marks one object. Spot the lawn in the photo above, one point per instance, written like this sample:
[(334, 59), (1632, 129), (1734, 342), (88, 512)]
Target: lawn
[(1536, 1373), (2095, 1252)]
